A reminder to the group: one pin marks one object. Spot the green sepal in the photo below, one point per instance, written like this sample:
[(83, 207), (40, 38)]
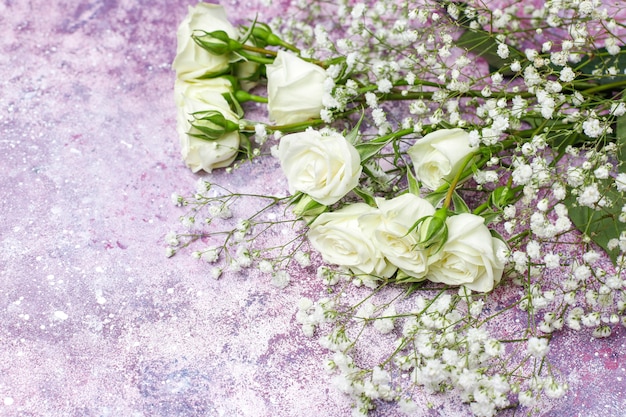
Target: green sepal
[(304, 206), (249, 31), (402, 277), (353, 136), (217, 42), (234, 103), (413, 285), (215, 74), (264, 32), (432, 230), (211, 125)]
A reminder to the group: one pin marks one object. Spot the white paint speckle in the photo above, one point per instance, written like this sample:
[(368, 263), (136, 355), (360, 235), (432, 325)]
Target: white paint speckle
[(170, 290), (61, 315), (8, 401)]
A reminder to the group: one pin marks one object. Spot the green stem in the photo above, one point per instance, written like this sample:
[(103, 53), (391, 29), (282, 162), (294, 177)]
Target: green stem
[(266, 52), (456, 179), (611, 86), (243, 96), (484, 206), (254, 57), (258, 50), (296, 127)]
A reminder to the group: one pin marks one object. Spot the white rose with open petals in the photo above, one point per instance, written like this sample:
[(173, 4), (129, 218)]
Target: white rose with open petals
[(324, 166), (469, 257), (191, 60), (295, 89), (392, 223), (342, 240), (437, 157), (203, 96)]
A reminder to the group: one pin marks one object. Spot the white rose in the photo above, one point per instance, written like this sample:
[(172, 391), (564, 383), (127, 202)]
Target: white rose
[(247, 74), (326, 167), (438, 156), (392, 223), (295, 89), (202, 90), (204, 95), (191, 60), (341, 240), (469, 257)]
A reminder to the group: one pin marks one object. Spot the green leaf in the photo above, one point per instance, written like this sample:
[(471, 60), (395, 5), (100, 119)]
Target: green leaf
[(490, 216), (558, 134), (459, 204), (600, 60), (367, 197), (435, 198), (353, 135), (414, 186), (245, 145), (497, 235), (368, 149), (600, 225), (230, 98), (483, 44), (304, 206)]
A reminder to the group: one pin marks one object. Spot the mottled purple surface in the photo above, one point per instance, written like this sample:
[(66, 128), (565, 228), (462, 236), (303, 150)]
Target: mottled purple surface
[(94, 319)]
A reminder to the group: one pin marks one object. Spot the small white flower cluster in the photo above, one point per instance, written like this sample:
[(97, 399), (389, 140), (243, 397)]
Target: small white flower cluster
[(233, 247), (437, 348), (311, 314)]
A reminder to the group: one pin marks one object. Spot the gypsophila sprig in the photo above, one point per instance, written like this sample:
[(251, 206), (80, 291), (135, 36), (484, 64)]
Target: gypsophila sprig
[(453, 169)]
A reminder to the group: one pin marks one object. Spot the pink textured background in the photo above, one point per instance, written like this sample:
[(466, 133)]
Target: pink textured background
[(94, 320)]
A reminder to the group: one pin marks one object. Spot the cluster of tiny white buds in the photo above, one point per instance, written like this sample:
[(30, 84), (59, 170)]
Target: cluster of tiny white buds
[(281, 279), (260, 132), (177, 199), (171, 238)]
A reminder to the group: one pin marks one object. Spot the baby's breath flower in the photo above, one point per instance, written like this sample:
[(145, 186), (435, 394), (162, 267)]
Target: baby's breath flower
[(538, 347), (216, 273), (385, 323), (260, 133), (177, 199), (171, 238), (281, 279)]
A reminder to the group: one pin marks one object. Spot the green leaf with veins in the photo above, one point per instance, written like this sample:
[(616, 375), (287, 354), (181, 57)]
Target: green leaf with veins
[(601, 225)]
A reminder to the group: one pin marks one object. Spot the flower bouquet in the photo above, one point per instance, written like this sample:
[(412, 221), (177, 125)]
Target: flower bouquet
[(450, 166)]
